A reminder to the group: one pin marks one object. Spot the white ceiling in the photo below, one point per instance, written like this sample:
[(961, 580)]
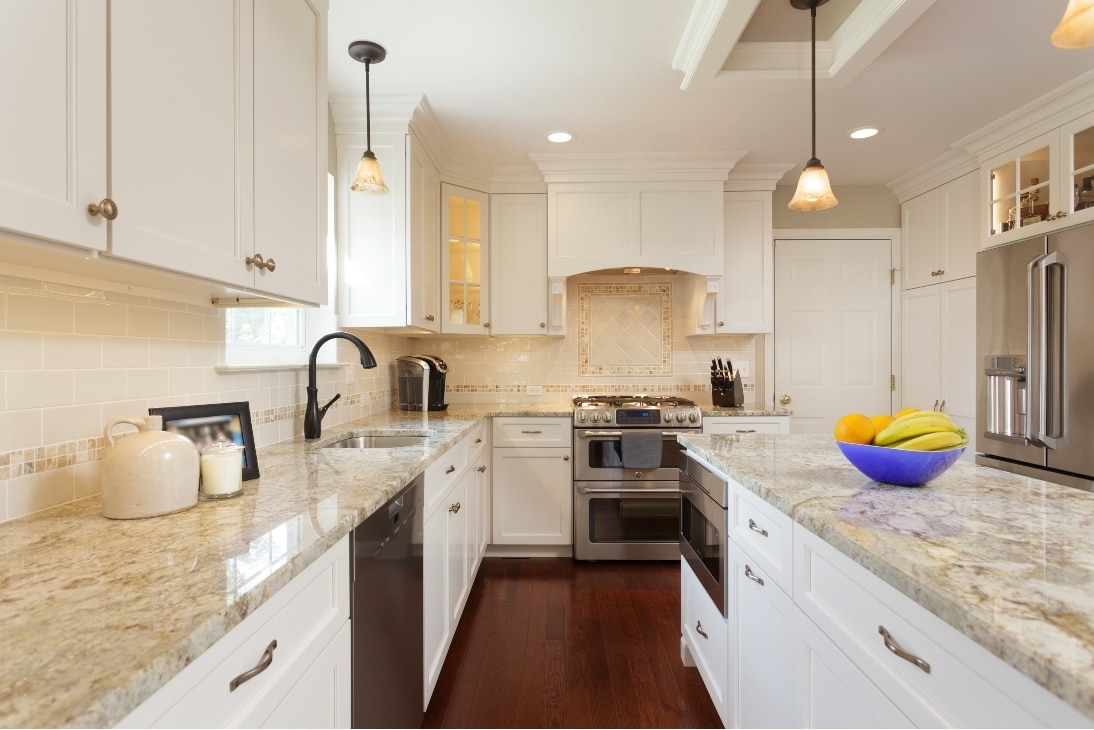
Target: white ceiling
[(500, 74)]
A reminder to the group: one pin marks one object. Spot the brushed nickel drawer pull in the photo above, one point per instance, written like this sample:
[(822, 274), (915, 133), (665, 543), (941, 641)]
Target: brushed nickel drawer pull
[(263, 664), (450, 469), (756, 528), (900, 652), (699, 629), (531, 432), (746, 430), (752, 576)]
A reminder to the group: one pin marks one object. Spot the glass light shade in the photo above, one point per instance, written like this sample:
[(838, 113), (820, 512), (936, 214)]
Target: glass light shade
[(369, 178), (814, 192), (1076, 28)]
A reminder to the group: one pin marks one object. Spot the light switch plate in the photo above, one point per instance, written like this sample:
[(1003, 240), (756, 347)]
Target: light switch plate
[(533, 390), (745, 368)]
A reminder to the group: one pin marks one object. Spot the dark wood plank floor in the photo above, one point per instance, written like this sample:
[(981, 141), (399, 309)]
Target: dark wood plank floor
[(556, 643)]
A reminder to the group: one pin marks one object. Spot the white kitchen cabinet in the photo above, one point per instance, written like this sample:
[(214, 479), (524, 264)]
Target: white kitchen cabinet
[(389, 245), (54, 160), (742, 300), (746, 424), (603, 225), (938, 351), (518, 264), (480, 462), (705, 641), (307, 682), (532, 487), (465, 261), (939, 230), (1036, 187)]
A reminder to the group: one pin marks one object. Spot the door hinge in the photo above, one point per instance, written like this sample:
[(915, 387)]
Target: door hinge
[(892, 276), (892, 382)]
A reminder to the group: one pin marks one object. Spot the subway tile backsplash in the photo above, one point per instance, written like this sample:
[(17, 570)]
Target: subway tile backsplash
[(72, 359)]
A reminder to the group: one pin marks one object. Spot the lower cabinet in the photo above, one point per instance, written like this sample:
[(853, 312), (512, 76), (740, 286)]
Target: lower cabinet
[(532, 483), (705, 642), (452, 546), (746, 424), (302, 634)]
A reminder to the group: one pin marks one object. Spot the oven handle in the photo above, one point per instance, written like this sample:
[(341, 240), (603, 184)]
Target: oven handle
[(589, 434), (587, 490)]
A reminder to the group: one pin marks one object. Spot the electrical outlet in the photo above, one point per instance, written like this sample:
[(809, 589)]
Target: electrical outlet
[(533, 390), (745, 368)]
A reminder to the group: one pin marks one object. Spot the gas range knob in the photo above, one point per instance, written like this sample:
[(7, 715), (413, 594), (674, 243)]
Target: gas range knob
[(596, 417), (693, 417), (608, 417), (582, 416), (668, 416), (680, 417)]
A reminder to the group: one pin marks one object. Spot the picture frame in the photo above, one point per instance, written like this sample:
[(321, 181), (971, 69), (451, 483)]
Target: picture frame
[(205, 424)]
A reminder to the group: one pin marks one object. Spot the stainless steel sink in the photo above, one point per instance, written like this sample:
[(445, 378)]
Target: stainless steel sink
[(377, 442)]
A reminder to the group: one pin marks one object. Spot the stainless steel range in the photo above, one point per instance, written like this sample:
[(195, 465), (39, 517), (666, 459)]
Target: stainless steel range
[(626, 475)]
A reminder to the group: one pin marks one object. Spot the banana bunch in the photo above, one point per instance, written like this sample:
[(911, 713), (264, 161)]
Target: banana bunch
[(922, 431)]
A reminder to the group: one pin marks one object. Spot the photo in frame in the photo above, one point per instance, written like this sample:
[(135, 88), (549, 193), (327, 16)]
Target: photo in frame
[(206, 424)]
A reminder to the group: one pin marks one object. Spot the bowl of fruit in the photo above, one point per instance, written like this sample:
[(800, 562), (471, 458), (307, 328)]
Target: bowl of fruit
[(908, 450)]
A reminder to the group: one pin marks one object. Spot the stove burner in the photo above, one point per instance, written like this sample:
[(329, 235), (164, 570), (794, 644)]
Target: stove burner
[(639, 400)]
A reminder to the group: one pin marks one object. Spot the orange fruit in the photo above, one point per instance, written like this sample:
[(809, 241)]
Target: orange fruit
[(854, 428), (904, 412), (880, 421)]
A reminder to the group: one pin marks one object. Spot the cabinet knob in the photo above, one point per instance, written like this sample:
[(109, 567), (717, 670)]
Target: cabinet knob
[(565, 458), (482, 468), (258, 262), (106, 207), (454, 508), (486, 325), (721, 324), (543, 325), (430, 318), (784, 399)]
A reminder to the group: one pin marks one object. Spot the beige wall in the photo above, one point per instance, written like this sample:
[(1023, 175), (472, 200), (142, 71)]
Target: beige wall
[(860, 206)]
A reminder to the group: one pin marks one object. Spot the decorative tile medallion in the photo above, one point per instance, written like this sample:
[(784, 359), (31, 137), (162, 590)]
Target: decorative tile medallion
[(625, 329)]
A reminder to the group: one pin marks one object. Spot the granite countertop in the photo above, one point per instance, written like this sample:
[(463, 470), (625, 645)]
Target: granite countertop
[(748, 409), (1006, 560), (98, 614)]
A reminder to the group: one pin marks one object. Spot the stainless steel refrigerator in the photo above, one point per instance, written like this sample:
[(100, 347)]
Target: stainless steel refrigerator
[(1035, 353)]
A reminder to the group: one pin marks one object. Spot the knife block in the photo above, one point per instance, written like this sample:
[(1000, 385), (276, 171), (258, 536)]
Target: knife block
[(727, 393)]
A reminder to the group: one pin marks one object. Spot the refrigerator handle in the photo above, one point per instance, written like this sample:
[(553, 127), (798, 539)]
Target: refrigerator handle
[(1034, 407), (1051, 362)]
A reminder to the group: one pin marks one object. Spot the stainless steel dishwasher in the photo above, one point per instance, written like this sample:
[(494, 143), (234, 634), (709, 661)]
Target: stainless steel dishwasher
[(386, 614)]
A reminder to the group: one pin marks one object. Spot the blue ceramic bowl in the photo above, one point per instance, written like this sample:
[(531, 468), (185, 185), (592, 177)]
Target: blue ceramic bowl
[(899, 466)]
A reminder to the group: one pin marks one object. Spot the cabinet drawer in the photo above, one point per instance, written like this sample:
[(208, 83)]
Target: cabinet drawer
[(764, 533), (710, 649), (478, 440), (966, 686), (302, 618), (442, 474), (532, 432), (745, 425)]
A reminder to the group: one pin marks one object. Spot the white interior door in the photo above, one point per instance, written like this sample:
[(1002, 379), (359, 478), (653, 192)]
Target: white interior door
[(833, 329)]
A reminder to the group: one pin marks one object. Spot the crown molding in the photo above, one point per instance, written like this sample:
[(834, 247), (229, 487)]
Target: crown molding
[(595, 167), (755, 176), (712, 31), (947, 166)]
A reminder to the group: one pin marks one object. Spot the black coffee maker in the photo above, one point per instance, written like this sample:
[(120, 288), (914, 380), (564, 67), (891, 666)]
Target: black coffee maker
[(421, 382)]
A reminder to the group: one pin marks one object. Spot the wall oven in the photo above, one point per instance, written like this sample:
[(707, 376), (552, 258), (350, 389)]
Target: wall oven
[(704, 523), (626, 485)]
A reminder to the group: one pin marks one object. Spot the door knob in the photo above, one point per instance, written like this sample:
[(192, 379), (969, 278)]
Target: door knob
[(106, 207), (784, 399)]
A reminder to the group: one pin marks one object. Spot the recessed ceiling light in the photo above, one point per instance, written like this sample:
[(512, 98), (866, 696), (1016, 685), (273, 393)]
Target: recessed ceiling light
[(863, 132), (560, 136)]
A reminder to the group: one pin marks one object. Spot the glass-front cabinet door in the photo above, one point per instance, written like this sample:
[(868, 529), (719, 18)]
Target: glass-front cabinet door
[(1077, 160), (464, 260), (1020, 187)]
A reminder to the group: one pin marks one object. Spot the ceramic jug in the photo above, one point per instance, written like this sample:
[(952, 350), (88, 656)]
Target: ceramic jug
[(149, 473)]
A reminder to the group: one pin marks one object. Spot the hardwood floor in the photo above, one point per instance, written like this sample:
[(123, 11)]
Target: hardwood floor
[(556, 643)]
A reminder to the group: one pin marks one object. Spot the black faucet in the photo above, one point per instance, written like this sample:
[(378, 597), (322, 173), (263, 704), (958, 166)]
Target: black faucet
[(313, 414)]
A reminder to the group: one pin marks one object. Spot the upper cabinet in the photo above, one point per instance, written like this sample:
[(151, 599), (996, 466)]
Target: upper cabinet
[(389, 245), (670, 225), (465, 260), (940, 233), (518, 264), (1040, 185), (216, 160)]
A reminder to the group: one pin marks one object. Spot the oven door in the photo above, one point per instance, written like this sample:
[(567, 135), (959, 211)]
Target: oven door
[(703, 537), (626, 521), (598, 456)]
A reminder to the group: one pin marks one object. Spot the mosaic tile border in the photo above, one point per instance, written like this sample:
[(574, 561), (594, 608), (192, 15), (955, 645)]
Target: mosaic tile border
[(57, 456), (585, 334), (581, 388)]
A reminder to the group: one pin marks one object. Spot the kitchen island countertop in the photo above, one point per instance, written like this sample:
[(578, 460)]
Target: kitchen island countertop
[(1007, 560)]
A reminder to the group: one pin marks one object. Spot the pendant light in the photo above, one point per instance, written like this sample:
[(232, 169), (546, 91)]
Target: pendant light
[(814, 192), (369, 178), (1076, 28)]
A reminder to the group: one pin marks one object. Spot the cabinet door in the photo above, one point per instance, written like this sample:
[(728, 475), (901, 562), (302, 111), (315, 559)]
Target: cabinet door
[(290, 148), (423, 198), (458, 509), (922, 248), (465, 261), (533, 496), (518, 264), (482, 486), (959, 210), (957, 358), (1077, 165), (320, 698), (706, 636), (920, 343), (437, 630), (53, 160), (746, 300), (180, 136)]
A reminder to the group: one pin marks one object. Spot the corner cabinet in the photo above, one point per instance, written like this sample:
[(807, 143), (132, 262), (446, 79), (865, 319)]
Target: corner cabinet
[(210, 160), (389, 245), (1041, 185), (465, 261), (518, 264)]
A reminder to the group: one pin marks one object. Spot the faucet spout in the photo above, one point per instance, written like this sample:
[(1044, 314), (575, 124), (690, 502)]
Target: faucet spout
[(313, 414)]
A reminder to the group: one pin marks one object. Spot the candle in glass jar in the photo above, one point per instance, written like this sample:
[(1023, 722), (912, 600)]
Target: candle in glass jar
[(221, 470)]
